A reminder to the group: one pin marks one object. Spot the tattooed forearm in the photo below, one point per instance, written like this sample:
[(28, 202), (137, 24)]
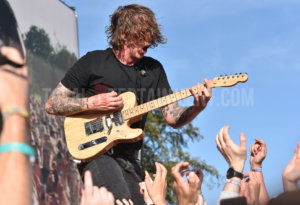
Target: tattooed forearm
[(185, 117), (178, 116), (64, 102), (176, 111)]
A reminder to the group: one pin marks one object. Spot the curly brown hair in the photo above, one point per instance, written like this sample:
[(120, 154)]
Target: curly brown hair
[(136, 23)]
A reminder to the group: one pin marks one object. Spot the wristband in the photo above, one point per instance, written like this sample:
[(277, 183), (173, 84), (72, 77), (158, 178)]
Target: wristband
[(257, 170), (18, 147), (232, 181), (14, 110)]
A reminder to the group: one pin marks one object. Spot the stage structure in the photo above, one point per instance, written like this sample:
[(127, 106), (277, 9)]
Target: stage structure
[(49, 31)]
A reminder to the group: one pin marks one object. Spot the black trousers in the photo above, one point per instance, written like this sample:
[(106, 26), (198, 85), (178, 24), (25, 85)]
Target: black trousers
[(119, 175)]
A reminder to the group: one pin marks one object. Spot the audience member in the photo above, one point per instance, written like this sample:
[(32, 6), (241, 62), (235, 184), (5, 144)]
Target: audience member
[(157, 188), (258, 152), (290, 177), (250, 188), (186, 192), (93, 195), (15, 178), (236, 156), (144, 192), (291, 173)]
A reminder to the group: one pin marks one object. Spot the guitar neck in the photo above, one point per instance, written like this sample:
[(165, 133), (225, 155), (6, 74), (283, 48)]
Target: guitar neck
[(221, 81), (158, 103)]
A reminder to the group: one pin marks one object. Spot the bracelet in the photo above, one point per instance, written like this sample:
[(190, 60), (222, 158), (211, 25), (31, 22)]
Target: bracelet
[(257, 170), (18, 147), (15, 110), (232, 181)]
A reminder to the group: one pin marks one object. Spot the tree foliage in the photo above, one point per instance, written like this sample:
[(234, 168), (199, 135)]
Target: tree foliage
[(166, 145), (37, 42), (46, 64), (63, 59)]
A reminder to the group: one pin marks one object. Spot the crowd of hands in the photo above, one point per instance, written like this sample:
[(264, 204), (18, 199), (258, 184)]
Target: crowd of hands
[(251, 191), (14, 85)]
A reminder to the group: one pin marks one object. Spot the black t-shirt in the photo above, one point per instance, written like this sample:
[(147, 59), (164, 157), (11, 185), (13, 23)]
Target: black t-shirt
[(101, 72)]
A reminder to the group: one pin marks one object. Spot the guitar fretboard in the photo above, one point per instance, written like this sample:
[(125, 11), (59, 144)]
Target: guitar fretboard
[(158, 103)]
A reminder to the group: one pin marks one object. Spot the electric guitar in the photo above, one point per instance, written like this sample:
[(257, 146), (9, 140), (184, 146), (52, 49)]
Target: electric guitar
[(90, 135)]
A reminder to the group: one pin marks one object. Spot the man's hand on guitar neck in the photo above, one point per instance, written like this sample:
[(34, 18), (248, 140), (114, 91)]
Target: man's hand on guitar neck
[(63, 101), (202, 96), (177, 116)]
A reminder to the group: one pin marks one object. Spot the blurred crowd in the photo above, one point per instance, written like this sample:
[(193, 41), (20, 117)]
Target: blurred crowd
[(56, 179)]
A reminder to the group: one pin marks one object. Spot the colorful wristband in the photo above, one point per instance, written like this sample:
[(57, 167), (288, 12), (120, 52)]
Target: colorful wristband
[(257, 170), (232, 181), (18, 147), (15, 110)]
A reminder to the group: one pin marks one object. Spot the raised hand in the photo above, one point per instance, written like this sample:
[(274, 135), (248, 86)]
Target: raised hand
[(258, 152), (93, 195), (235, 155), (250, 188), (186, 193), (144, 192), (291, 173), (157, 189)]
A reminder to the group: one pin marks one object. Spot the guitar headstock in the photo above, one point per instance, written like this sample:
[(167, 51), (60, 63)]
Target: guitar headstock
[(229, 80)]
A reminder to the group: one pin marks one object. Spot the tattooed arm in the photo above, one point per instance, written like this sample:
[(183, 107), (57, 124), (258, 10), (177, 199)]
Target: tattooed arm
[(177, 116), (63, 101)]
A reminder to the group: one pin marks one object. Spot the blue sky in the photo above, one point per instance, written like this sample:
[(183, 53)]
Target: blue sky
[(212, 38)]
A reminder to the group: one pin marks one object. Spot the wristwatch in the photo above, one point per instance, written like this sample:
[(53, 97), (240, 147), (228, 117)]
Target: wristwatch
[(232, 173)]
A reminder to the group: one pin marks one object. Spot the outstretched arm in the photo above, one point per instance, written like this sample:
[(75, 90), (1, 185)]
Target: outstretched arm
[(291, 173), (177, 116), (15, 177), (63, 101), (258, 153), (236, 156)]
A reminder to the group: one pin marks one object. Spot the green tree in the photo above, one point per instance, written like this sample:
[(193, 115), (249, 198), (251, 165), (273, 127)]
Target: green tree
[(63, 59), (37, 41), (166, 145)]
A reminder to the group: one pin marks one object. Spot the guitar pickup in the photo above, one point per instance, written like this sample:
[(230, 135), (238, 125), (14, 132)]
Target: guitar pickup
[(94, 126)]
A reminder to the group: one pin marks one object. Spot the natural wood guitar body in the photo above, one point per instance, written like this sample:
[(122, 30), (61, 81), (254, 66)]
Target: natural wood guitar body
[(76, 134)]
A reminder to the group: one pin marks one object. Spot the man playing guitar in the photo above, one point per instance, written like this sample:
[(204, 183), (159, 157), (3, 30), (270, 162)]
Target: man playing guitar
[(101, 76)]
